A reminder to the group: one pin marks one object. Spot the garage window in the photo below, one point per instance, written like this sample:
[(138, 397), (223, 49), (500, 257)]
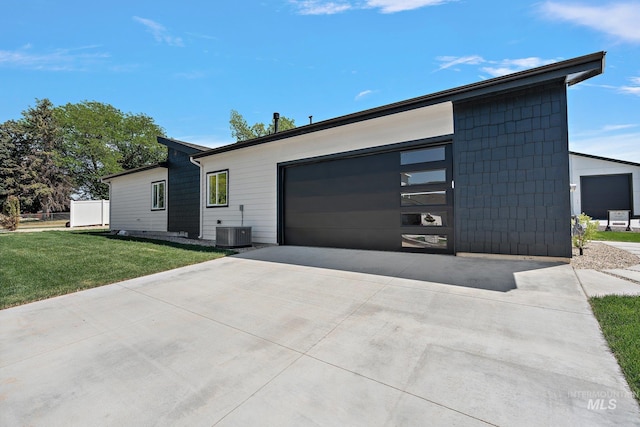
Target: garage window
[(217, 189), (422, 156), (157, 195), (422, 198), (424, 241), (423, 177), (425, 219)]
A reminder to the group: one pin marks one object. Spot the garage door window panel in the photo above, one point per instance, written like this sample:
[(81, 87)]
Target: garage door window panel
[(425, 219), (423, 198), (424, 241), (424, 155), (437, 176)]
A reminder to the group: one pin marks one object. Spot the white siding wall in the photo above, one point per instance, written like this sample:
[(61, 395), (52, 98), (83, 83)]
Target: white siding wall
[(584, 166), (131, 202), (253, 170)]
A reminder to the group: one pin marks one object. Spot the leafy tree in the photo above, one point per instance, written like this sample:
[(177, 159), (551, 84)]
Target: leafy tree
[(241, 131), (32, 170), (100, 140), (10, 217), (9, 160)]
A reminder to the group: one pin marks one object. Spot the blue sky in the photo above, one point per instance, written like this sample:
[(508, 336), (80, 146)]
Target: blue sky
[(187, 64)]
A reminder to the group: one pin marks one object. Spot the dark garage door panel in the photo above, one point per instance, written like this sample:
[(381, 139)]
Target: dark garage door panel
[(355, 202), (379, 239), (348, 219), (600, 193), (345, 203)]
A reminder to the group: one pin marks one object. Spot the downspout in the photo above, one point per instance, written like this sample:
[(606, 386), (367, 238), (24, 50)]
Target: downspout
[(200, 193)]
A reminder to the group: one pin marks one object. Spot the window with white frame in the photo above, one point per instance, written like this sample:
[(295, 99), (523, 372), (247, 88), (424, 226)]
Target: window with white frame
[(218, 189), (158, 195)]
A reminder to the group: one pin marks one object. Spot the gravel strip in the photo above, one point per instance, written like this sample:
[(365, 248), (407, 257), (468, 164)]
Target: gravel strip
[(600, 256), (197, 242)]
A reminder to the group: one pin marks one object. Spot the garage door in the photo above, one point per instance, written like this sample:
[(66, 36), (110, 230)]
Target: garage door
[(397, 201), (605, 192)]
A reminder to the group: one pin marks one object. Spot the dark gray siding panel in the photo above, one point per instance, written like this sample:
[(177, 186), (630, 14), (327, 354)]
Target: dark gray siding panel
[(183, 194), (511, 171)]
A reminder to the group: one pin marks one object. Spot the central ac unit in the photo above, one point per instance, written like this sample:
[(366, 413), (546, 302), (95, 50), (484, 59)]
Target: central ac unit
[(233, 237)]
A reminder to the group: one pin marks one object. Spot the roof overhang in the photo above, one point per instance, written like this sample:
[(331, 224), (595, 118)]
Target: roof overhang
[(108, 178), (606, 159), (185, 147), (570, 72)]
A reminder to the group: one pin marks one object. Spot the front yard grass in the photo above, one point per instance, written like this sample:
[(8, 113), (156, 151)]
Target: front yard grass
[(35, 266), (619, 318), (617, 236)]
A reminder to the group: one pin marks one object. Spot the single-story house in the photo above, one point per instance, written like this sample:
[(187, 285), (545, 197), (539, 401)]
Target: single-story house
[(603, 184), (481, 168), (159, 198)]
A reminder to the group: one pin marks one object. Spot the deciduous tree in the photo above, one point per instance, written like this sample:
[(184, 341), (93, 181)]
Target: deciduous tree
[(241, 131), (99, 140)]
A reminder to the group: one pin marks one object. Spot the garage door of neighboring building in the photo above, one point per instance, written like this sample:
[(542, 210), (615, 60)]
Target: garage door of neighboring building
[(601, 193), (396, 201)]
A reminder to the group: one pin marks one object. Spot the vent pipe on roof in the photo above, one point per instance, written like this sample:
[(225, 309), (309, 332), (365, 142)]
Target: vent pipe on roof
[(310, 119), (276, 118)]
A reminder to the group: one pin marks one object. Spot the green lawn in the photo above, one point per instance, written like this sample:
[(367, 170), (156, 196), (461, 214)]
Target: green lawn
[(36, 266), (619, 318), (617, 236)]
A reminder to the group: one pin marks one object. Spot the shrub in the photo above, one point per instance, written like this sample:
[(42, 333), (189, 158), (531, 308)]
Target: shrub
[(583, 231), (10, 217)]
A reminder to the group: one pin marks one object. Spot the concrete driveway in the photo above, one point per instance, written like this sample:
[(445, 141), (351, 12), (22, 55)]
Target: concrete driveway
[(290, 336)]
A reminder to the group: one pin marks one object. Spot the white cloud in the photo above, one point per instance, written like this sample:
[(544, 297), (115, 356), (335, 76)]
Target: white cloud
[(159, 32), (633, 89), (510, 66), (451, 61), (623, 146), (323, 7), (492, 67), (317, 7), (610, 128), (363, 94), (619, 20), (393, 6), (78, 59)]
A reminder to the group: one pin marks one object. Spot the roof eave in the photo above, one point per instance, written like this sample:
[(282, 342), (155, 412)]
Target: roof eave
[(105, 179), (572, 71), (185, 147)]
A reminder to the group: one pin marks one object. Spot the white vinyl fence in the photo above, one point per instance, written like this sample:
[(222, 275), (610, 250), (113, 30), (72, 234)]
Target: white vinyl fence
[(89, 212)]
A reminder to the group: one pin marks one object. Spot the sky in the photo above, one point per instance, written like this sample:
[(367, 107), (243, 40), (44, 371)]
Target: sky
[(188, 64)]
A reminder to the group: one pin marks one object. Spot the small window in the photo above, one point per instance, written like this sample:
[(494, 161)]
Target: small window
[(424, 241), (217, 189), (423, 177), (422, 156), (423, 198), (157, 195), (425, 219)]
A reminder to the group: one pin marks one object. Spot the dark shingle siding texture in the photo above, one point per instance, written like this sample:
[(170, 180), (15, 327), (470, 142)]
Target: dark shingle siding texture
[(183, 194), (512, 173)]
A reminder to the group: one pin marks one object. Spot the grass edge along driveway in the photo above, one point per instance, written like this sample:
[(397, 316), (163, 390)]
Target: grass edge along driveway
[(36, 266), (619, 319)]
